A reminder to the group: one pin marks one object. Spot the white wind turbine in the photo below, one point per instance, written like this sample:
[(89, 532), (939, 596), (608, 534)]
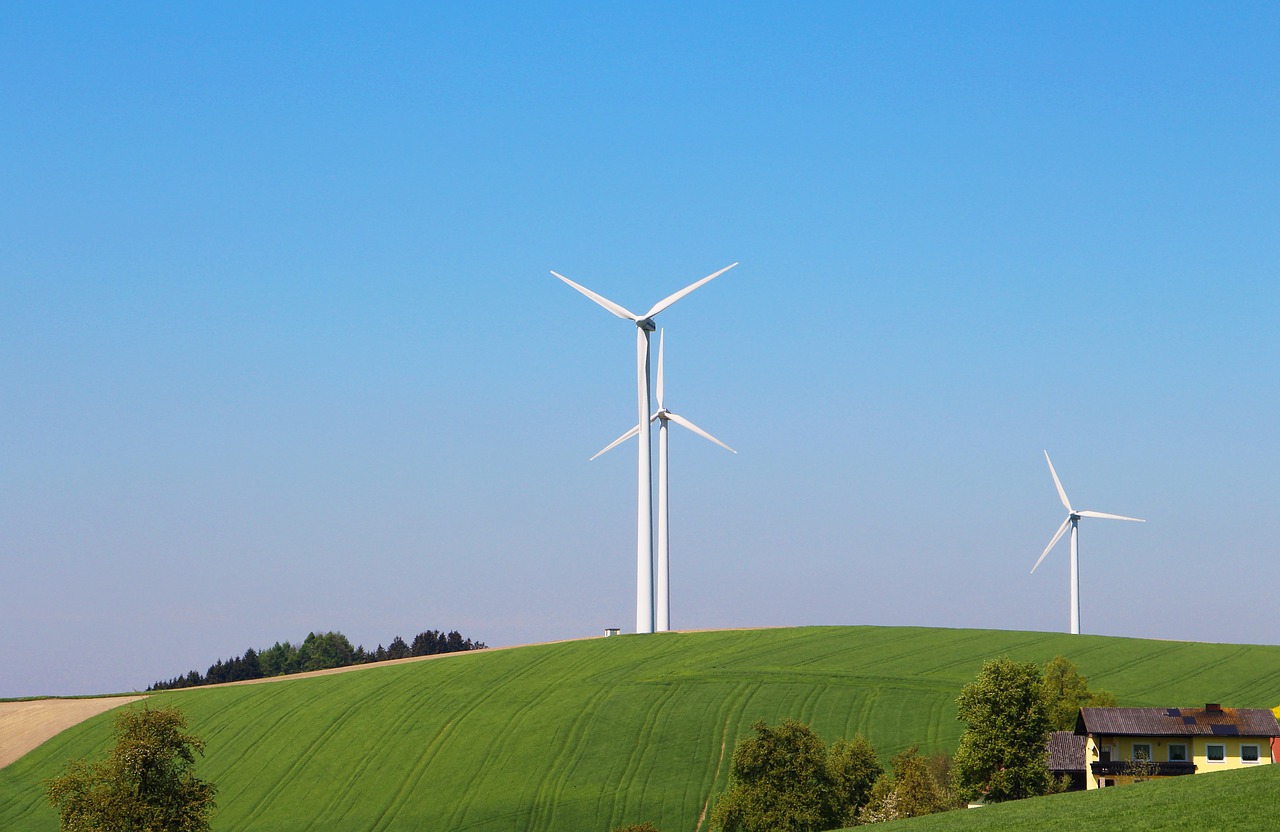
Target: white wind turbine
[(644, 499), (1073, 520), (663, 416)]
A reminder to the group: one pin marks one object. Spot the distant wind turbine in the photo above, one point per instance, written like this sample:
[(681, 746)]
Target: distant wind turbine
[(663, 416), (1073, 520), (644, 499)]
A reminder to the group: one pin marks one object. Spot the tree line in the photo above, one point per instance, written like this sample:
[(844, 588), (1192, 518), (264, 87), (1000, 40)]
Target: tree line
[(318, 651)]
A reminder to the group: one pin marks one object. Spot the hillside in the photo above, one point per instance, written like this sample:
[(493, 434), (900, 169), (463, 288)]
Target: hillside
[(1243, 800), (592, 734)]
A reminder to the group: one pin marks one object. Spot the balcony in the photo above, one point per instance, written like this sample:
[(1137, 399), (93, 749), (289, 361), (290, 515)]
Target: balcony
[(1153, 769)]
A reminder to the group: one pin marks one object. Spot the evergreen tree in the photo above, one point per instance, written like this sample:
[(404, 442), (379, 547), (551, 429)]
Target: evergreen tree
[(278, 659), (428, 643), (398, 649)]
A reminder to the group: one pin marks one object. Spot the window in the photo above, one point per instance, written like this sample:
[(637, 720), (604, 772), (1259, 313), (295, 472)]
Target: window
[(1215, 753), (1142, 751), (1177, 753), (1248, 753)]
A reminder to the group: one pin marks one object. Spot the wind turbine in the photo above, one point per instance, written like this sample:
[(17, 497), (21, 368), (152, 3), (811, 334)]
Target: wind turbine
[(1073, 520), (644, 499), (663, 416)]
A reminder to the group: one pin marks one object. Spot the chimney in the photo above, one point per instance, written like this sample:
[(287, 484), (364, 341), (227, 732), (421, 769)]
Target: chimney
[(1213, 708)]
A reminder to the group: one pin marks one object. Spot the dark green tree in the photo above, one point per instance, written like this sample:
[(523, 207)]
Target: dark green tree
[(910, 791), (146, 783), (854, 770), (1003, 753), (1066, 691), (324, 650), (398, 649), (426, 644), (779, 781), (279, 659)]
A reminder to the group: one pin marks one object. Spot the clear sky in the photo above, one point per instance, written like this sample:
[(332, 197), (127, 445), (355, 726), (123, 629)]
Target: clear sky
[(280, 350)]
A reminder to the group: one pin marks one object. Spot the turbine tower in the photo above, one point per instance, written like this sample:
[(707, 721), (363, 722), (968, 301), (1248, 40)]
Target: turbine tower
[(644, 499), (1073, 520), (663, 416)]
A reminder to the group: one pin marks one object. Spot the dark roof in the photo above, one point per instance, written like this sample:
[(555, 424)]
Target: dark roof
[(1178, 722), (1066, 752)]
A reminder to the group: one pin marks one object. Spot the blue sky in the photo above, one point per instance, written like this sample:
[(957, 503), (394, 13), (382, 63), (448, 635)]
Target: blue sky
[(280, 350)]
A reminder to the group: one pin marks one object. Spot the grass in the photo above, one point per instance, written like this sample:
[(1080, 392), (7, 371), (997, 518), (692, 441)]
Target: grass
[(599, 733), (1228, 800)]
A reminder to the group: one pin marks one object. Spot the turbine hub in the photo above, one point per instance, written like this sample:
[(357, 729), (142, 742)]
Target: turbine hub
[(646, 324)]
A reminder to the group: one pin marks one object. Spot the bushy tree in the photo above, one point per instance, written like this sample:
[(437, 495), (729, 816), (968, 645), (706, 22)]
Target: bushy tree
[(911, 791), (1003, 754), (324, 651), (146, 783), (1066, 691), (778, 782), (785, 779), (854, 770), (279, 659)]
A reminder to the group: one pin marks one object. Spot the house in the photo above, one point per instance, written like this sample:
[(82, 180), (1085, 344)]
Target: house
[(1124, 745), (1066, 758)]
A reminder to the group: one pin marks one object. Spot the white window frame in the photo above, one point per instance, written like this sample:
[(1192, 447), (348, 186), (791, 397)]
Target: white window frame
[(1208, 752), (1181, 745), (1133, 751), (1257, 757)]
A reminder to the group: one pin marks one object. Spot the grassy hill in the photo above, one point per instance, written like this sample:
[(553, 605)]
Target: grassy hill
[(1229, 800), (597, 733)]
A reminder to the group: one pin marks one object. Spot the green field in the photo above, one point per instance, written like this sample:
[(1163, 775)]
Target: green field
[(592, 734), (1229, 800)]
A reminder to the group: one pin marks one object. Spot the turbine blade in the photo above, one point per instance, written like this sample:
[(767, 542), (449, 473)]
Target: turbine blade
[(670, 299), (620, 311), (683, 422), (615, 443), (1057, 482), (1108, 516), (661, 338), (1056, 537)]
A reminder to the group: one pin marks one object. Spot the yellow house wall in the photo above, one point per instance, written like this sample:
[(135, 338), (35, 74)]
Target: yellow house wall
[(1200, 752), (1197, 750)]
